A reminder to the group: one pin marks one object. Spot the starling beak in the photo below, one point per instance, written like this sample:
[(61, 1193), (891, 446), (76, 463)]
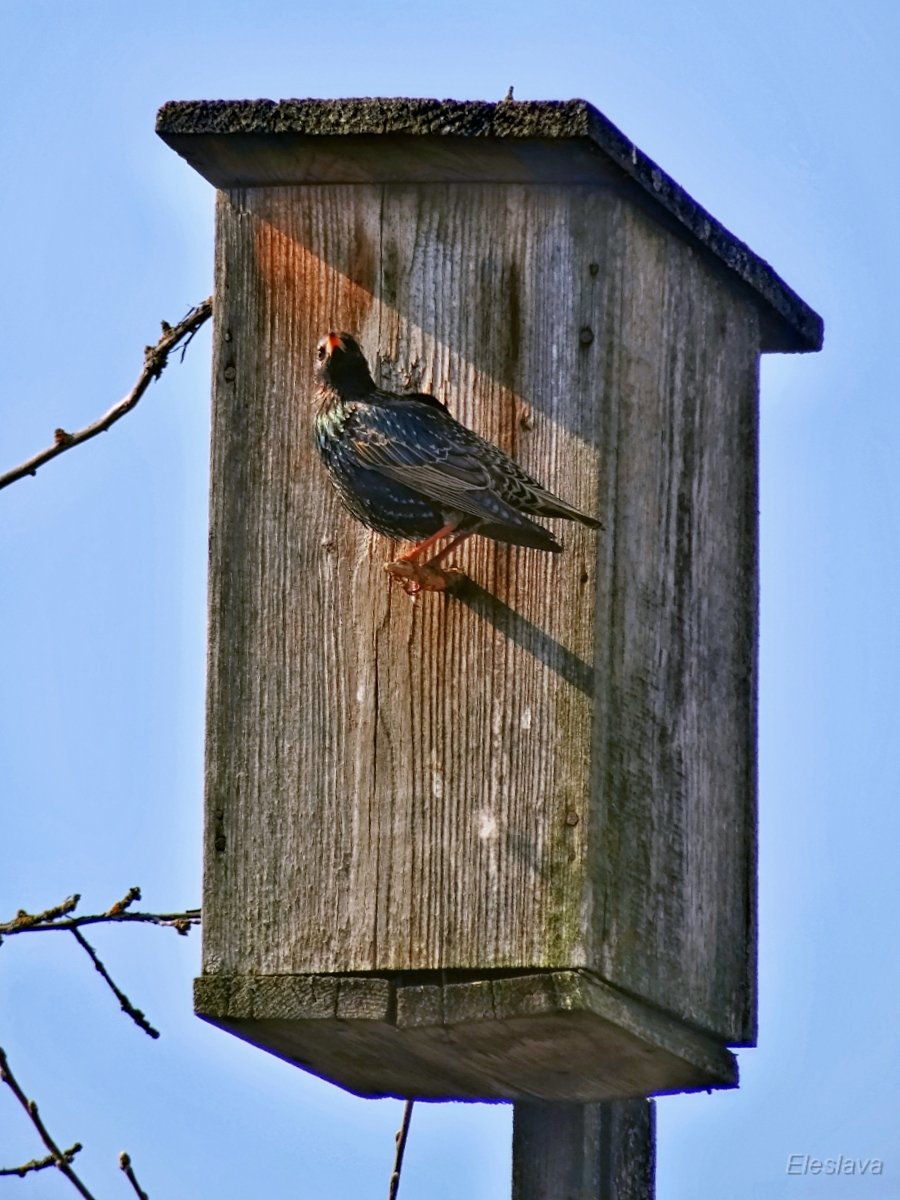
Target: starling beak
[(404, 467)]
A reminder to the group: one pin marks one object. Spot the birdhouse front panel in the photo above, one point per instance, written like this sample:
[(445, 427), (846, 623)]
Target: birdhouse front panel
[(508, 776), (414, 770)]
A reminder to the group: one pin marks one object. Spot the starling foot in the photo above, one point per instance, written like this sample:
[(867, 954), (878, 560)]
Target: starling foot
[(423, 577)]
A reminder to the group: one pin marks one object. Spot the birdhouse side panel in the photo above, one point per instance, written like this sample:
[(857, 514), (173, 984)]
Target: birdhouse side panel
[(676, 731)]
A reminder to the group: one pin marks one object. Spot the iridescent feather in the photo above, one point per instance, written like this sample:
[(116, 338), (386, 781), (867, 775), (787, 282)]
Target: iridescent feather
[(403, 466)]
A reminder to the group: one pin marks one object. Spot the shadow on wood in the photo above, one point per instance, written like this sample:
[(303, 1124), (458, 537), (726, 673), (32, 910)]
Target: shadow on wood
[(513, 625)]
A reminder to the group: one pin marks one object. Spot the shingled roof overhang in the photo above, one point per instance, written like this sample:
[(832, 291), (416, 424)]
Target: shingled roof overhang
[(250, 143)]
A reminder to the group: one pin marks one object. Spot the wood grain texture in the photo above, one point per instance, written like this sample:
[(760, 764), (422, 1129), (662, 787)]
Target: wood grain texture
[(556, 768), (383, 766), (557, 1035), (675, 740), (601, 1151)]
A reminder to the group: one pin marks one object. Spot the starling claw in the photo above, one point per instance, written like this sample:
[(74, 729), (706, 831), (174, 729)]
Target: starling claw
[(422, 577)]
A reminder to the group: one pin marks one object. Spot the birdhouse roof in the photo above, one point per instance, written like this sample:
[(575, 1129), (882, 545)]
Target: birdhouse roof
[(253, 143)]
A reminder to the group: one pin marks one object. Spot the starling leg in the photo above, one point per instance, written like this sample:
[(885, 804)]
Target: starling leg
[(413, 555), (448, 549), (427, 576)]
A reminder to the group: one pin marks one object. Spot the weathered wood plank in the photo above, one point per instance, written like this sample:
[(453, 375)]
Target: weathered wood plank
[(584, 1151), (675, 740), (556, 1036)]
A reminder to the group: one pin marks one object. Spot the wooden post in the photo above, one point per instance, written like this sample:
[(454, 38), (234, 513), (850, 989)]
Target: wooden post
[(600, 1151)]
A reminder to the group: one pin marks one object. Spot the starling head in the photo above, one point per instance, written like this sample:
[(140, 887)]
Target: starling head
[(342, 365)]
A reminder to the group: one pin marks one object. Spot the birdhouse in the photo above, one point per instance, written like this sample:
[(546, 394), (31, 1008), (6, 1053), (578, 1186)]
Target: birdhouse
[(498, 841)]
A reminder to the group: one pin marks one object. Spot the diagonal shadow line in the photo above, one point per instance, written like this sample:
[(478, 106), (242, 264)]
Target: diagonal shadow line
[(496, 356), (525, 633)]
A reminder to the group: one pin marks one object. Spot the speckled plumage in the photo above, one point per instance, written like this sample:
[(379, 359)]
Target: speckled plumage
[(403, 466)]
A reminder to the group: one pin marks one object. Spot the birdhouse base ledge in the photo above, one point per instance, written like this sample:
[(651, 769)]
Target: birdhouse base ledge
[(561, 1035)]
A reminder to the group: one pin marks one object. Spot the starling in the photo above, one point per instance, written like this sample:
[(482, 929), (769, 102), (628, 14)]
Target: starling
[(403, 466)]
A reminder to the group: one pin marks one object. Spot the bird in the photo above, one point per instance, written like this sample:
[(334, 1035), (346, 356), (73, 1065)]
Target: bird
[(403, 466)]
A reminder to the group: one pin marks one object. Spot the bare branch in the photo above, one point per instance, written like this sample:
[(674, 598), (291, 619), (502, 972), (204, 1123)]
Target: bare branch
[(58, 917), (127, 1007), (24, 920), (38, 1164), (58, 1156), (400, 1146), (181, 922), (155, 359), (125, 1164)]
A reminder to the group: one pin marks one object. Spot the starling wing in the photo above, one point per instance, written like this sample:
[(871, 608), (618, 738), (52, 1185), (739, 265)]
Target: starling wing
[(421, 446)]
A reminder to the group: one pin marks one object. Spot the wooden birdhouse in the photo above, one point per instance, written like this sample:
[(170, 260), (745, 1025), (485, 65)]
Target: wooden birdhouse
[(499, 842)]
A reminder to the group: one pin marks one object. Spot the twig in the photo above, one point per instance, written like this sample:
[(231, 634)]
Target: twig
[(133, 893), (38, 1164), (58, 917), (155, 359), (181, 922), (127, 1007), (400, 1144), (58, 1156), (49, 914), (125, 1164)]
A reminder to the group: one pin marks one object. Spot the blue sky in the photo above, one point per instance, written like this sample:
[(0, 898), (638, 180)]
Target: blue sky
[(782, 119)]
